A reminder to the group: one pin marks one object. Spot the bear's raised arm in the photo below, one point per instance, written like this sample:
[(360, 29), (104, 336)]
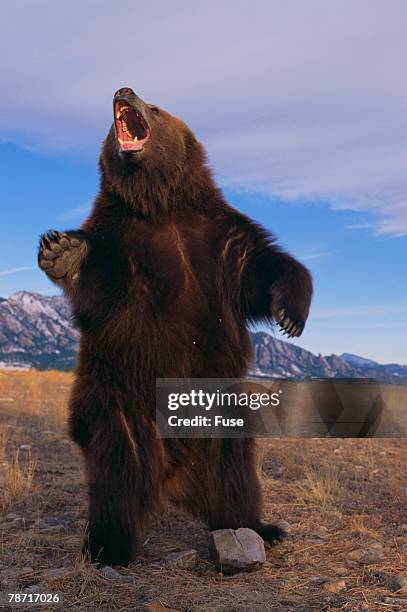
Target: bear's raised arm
[(87, 268), (263, 281)]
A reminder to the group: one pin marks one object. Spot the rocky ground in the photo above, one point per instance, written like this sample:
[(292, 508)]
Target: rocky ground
[(344, 500)]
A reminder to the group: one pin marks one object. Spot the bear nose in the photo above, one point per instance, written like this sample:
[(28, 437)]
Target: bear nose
[(124, 91)]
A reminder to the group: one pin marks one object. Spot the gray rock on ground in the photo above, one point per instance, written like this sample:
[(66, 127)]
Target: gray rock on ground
[(111, 574), (237, 550), (395, 601), (35, 588), (394, 582), (366, 556), (186, 559)]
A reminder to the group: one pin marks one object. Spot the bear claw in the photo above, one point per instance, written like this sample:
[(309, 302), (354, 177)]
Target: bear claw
[(288, 327), (60, 254)]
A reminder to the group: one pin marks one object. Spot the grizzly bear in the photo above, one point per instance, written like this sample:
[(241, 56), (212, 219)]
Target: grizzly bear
[(163, 278)]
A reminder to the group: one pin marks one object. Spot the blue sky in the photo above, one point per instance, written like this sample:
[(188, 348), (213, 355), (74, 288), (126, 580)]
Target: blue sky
[(301, 106)]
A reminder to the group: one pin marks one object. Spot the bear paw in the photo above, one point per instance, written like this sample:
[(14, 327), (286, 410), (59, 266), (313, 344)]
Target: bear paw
[(61, 253), (290, 302), (287, 325)]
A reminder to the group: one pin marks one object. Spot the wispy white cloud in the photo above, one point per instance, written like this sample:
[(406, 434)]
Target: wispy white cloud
[(316, 256), (11, 271), (302, 100), (75, 213)]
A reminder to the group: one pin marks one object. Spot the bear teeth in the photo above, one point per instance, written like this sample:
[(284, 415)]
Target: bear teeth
[(120, 111)]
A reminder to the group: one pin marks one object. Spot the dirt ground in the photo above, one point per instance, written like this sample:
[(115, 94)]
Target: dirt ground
[(345, 501)]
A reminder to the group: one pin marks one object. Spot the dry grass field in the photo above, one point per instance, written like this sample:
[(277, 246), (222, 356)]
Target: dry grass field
[(345, 501)]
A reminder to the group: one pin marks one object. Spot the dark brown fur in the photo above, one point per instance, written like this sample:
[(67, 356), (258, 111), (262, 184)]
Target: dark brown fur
[(163, 278)]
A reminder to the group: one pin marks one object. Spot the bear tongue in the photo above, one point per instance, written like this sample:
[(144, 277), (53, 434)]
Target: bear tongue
[(134, 125)]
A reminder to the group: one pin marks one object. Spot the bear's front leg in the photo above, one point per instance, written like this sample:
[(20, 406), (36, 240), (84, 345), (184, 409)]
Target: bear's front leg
[(268, 283), (61, 255)]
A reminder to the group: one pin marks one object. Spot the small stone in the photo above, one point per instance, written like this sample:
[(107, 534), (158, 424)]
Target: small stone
[(56, 572), (376, 546), (112, 574), (394, 582), (279, 471), (317, 579), (321, 532), (335, 586), (403, 526), (35, 588), (53, 529), (184, 560), (274, 467), (394, 601), (234, 550), (366, 556), (25, 447), (47, 521)]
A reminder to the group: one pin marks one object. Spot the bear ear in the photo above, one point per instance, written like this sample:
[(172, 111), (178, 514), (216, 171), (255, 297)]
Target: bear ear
[(155, 109)]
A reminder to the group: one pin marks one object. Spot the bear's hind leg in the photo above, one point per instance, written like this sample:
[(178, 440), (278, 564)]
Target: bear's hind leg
[(218, 484), (122, 492), (238, 502), (113, 523)]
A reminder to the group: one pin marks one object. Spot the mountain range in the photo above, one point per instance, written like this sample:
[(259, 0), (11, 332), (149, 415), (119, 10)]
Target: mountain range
[(36, 331)]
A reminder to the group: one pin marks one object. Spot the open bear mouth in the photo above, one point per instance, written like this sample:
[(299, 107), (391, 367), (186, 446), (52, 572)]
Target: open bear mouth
[(131, 129)]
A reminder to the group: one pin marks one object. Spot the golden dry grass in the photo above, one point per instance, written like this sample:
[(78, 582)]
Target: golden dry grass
[(18, 479), (321, 486), (339, 496)]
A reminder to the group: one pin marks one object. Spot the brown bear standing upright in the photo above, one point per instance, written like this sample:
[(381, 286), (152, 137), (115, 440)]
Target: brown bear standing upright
[(163, 278)]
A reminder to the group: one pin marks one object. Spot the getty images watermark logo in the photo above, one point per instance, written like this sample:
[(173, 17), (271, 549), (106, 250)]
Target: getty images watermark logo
[(318, 408), (217, 402)]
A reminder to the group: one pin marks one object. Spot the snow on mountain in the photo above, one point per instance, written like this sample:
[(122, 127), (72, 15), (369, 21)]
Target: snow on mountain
[(355, 360), (36, 331)]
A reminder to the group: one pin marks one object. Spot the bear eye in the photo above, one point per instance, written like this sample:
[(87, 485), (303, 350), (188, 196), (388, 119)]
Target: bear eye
[(155, 110)]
